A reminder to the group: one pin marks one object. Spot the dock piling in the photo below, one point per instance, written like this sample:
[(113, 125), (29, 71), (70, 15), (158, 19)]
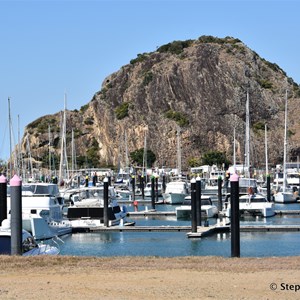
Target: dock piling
[(16, 215), (3, 198), (235, 215), (105, 198), (193, 205)]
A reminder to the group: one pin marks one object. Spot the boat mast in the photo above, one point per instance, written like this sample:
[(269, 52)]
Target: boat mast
[(178, 151), (266, 149), (10, 142), (247, 144), (74, 162), (126, 153), (63, 166), (285, 143), (49, 145), (145, 153)]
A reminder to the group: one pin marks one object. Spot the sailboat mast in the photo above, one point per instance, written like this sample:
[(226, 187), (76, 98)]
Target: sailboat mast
[(234, 154), (10, 137), (178, 151), (145, 153), (266, 149), (126, 153), (63, 168), (285, 142), (247, 144), (49, 145)]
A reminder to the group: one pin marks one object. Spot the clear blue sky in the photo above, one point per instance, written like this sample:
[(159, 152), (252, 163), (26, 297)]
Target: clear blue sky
[(48, 48)]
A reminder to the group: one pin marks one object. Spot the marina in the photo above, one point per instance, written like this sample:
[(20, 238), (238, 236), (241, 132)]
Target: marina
[(158, 233)]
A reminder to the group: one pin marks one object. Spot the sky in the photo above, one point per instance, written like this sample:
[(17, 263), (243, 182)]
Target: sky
[(52, 48)]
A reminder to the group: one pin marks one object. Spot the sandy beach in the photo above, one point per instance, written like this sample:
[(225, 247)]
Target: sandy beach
[(66, 277)]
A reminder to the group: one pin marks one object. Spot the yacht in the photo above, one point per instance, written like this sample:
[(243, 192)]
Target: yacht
[(252, 204), (208, 210), (30, 247), (148, 188), (86, 208), (214, 175), (42, 210), (175, 192)]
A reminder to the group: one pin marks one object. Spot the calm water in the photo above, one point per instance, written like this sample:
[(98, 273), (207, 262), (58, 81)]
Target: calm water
[(169, 244)]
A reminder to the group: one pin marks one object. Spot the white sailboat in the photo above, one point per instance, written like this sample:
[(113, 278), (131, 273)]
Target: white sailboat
[(284, 194)]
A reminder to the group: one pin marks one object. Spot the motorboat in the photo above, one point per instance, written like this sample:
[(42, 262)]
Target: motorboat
[(148, 189), (30, 247), (244, 184), (42, 210), (208, 210), (175, 192), (293, 179), (214, 175), (285, 194), (252, 204), (86, 208)]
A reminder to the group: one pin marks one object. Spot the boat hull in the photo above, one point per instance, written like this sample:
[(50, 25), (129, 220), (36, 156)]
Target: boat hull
[(174, 198), (284, 197)]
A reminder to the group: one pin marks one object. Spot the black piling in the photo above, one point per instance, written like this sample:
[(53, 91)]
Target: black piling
[(3, 198), (152, 192), (109, 180), (163, 183), (142, 186), (156, 189), (105, 198), (198, 200), (268, 187), (133, 187), (220, 181), (16, 215), (235, 216), (193, 205)]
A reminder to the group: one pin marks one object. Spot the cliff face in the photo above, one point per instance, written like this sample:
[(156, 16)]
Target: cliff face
[(200, 85)]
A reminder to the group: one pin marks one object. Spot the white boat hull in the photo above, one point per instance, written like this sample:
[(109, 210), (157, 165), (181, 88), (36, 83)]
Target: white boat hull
[(174, 198), (284, 197), (185, 211)]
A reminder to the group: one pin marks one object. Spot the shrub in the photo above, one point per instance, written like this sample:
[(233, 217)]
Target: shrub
[(140, 58), (180, 119), (122, 111), (147, 78), (175, 47)]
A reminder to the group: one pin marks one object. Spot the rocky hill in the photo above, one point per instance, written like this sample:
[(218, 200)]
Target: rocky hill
[(199, 85)]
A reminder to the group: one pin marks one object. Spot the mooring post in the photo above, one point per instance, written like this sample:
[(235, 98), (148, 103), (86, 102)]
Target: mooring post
[(109, 180), (198, 200), (235, 215), (152, 193), (142, 186), (163, 183), (220, 181), (3, 198), (16, 215), (133, 187), (193, 205), (105, 198), (156, 189), (268, 187)]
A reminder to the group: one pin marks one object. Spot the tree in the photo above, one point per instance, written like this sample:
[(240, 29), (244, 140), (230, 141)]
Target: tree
[(138, 155), (215, 158)]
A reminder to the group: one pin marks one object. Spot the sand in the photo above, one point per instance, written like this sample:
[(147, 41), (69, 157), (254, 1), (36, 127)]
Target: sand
[(66, 277)]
